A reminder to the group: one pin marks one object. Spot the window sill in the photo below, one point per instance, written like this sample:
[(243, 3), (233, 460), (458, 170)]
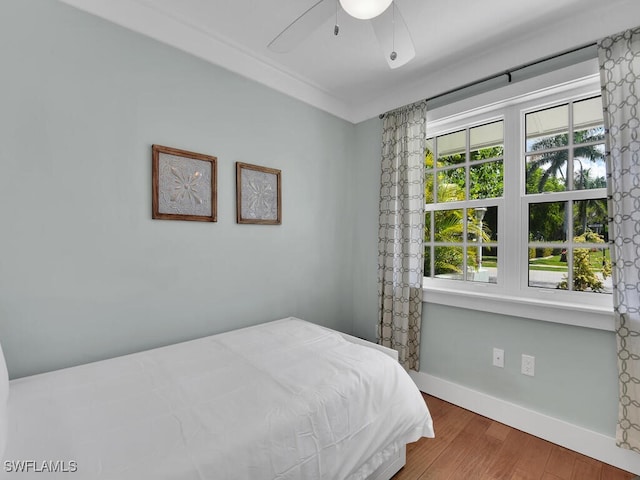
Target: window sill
[(580, 315)]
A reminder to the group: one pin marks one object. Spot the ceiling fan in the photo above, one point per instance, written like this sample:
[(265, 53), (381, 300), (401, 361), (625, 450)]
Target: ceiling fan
[(387, 22)]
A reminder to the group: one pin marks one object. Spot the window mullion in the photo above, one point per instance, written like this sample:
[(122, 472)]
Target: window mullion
[(511, 229), (570, 160), (569, 245)]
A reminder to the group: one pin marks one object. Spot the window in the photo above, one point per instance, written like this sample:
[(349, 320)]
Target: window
[(463, 182), (516, 210), (566, 198)]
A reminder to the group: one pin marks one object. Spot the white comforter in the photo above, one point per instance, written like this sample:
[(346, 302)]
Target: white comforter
[(282, 400)]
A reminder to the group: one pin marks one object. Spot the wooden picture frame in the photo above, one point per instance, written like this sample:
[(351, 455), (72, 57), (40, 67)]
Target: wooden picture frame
[(258, 194), (184, 185)]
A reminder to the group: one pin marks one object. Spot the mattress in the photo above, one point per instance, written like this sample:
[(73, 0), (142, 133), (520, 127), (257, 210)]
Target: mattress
[(283, 400)]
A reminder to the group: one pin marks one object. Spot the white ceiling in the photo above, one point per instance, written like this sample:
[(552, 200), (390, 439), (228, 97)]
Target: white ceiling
[(456, 41)]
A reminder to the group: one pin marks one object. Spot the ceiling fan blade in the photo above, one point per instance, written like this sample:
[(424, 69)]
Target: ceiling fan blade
[(384, 26), (302, 26)]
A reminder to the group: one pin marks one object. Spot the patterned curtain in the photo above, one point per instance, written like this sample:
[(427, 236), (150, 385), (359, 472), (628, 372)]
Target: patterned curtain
[(619, 57), (401, 232)]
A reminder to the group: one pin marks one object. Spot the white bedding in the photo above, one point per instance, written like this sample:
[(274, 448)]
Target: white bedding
[(281, 400)]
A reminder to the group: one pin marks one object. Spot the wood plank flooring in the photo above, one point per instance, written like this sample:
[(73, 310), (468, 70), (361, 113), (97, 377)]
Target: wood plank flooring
[(468, 446)]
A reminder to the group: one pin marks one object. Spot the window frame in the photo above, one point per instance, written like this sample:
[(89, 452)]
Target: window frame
[(511, 295)]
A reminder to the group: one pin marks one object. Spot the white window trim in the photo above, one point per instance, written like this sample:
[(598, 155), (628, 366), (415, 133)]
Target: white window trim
[(579, 309), (549, 310)]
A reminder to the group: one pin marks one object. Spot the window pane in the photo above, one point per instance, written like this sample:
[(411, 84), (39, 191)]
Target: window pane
[(428, 188), (491, 223), (490, 262), (428, 154), (546, 172), (482, 264), (451, 148), (547, 222), (590, 216), (547, 128), (427, 261), (485, 220), (589, 169), (427, 226), (449, 226), (591, 271), (451, 185), (547, 271), (486, 180), (448, 262), (587, 120), (487, 141)]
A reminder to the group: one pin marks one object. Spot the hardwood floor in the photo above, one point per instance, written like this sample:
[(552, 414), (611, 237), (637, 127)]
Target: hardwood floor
[(468, 446)]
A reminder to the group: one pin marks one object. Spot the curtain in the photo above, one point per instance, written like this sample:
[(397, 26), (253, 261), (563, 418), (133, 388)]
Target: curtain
[(401, 232), (619, 58)]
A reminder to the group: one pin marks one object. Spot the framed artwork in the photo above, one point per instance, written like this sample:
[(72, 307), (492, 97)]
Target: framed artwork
[(184, 185), (258, 194)]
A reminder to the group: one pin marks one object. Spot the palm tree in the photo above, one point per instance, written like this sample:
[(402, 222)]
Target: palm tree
[(550, 164), (450, 226), (555, 153), (591, 208)]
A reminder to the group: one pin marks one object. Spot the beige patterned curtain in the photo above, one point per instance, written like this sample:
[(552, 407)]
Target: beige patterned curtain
[(401, 232), (619, 57)]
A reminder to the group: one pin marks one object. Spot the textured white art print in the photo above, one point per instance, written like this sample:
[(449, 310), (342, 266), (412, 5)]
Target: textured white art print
[(259, 195), (184, 185)]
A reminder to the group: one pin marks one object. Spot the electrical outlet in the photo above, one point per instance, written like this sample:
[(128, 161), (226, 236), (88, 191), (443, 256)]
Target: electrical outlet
[(498, 357), (528, 365)]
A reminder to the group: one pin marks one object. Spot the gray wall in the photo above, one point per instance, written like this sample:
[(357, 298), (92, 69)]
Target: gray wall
[(366, 191), (575, 372), (85, 273)]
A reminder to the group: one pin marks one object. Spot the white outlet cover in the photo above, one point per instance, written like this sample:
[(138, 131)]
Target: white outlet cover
[(528, 365), (498, 357)]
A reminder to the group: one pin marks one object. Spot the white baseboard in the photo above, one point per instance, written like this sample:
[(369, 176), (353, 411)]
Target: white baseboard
[(568, 435)]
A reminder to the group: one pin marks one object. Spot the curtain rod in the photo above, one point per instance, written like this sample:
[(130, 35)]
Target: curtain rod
[(508, 72)]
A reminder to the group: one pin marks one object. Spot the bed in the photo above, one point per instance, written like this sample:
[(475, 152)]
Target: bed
[(283, 400)]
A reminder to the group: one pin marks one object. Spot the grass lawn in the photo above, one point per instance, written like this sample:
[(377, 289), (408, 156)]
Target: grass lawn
[(553, 263)]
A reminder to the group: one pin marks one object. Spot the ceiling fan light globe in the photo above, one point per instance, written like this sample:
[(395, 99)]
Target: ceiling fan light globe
[(365, 9)]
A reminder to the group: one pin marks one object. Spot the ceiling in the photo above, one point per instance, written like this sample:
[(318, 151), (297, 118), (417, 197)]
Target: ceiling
[(456, 42)]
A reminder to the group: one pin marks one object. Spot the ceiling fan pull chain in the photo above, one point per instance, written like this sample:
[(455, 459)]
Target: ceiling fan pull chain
[(336, 29), (393, 55)]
